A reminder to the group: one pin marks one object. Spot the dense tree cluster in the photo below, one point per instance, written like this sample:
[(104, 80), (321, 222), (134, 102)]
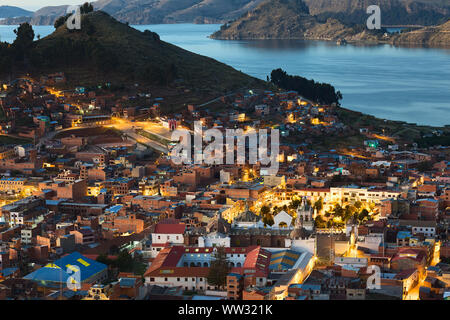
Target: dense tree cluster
[(338, 216), (319, 92), (219, 269), (19, 52)]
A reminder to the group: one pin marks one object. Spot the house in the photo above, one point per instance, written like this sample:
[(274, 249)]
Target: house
[(167, 232)]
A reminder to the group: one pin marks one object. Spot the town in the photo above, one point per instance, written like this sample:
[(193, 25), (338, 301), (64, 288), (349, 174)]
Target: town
[(94, 208)]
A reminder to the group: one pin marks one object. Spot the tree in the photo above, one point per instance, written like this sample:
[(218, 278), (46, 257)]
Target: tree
[(124, 261), (265, 210), (320, 92), (114, 249), (295, 204), (219, 269), (349, 212), (276, 209), (103, 258), (86, 8), (363, 216), (267, 217), (24, 40), (319, 204), (60, 21), (338, 211), (319, 222)]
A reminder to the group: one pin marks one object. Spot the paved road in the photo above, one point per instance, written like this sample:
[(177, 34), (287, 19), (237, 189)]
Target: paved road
[(144, 140)]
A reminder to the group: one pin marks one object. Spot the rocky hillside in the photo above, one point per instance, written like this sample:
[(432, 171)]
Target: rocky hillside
[(289, 19), (154, 11), (394, 12), (282, 19), (430, 36)]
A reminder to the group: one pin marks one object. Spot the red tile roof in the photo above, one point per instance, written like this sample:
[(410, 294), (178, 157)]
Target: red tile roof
[(170, 228), (256, 262), (258, 259)]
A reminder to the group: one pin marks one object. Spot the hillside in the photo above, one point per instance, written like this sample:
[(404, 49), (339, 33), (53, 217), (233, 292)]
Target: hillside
[(105, 50), (11, 12), (153, 11), (282, 19), (288, 19), (429, 36), (394, 12)]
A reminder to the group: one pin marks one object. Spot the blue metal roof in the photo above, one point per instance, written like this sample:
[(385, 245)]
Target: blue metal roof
[(127, 282), (403, 235), (59, 271)]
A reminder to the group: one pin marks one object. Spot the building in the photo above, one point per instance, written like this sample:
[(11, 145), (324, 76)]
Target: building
[(73, 268)]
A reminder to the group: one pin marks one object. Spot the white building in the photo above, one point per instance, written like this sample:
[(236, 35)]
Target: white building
[(214, 239), (282, 220), (353, 194), (166, 234)]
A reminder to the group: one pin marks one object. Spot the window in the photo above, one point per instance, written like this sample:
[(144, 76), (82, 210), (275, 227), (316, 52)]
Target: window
[(152, 279), (186, 279), (166, 279), (178, 279)]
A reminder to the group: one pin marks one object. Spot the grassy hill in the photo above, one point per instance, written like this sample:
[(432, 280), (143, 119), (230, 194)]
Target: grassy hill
[(105, 50)]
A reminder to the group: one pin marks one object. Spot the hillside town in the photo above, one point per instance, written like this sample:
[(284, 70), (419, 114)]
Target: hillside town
[(92, 207)]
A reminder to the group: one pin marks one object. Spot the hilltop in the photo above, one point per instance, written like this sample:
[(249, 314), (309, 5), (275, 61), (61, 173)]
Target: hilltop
[(105, 50), (11, 12)]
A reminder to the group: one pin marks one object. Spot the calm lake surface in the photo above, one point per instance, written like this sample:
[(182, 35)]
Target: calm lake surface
[(408, 84)]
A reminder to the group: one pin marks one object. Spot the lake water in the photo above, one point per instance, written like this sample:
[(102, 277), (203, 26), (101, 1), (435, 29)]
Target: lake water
[(408, 84)]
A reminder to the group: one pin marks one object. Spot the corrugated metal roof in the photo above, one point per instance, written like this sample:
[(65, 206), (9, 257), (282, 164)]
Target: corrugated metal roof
[(58, 271)]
